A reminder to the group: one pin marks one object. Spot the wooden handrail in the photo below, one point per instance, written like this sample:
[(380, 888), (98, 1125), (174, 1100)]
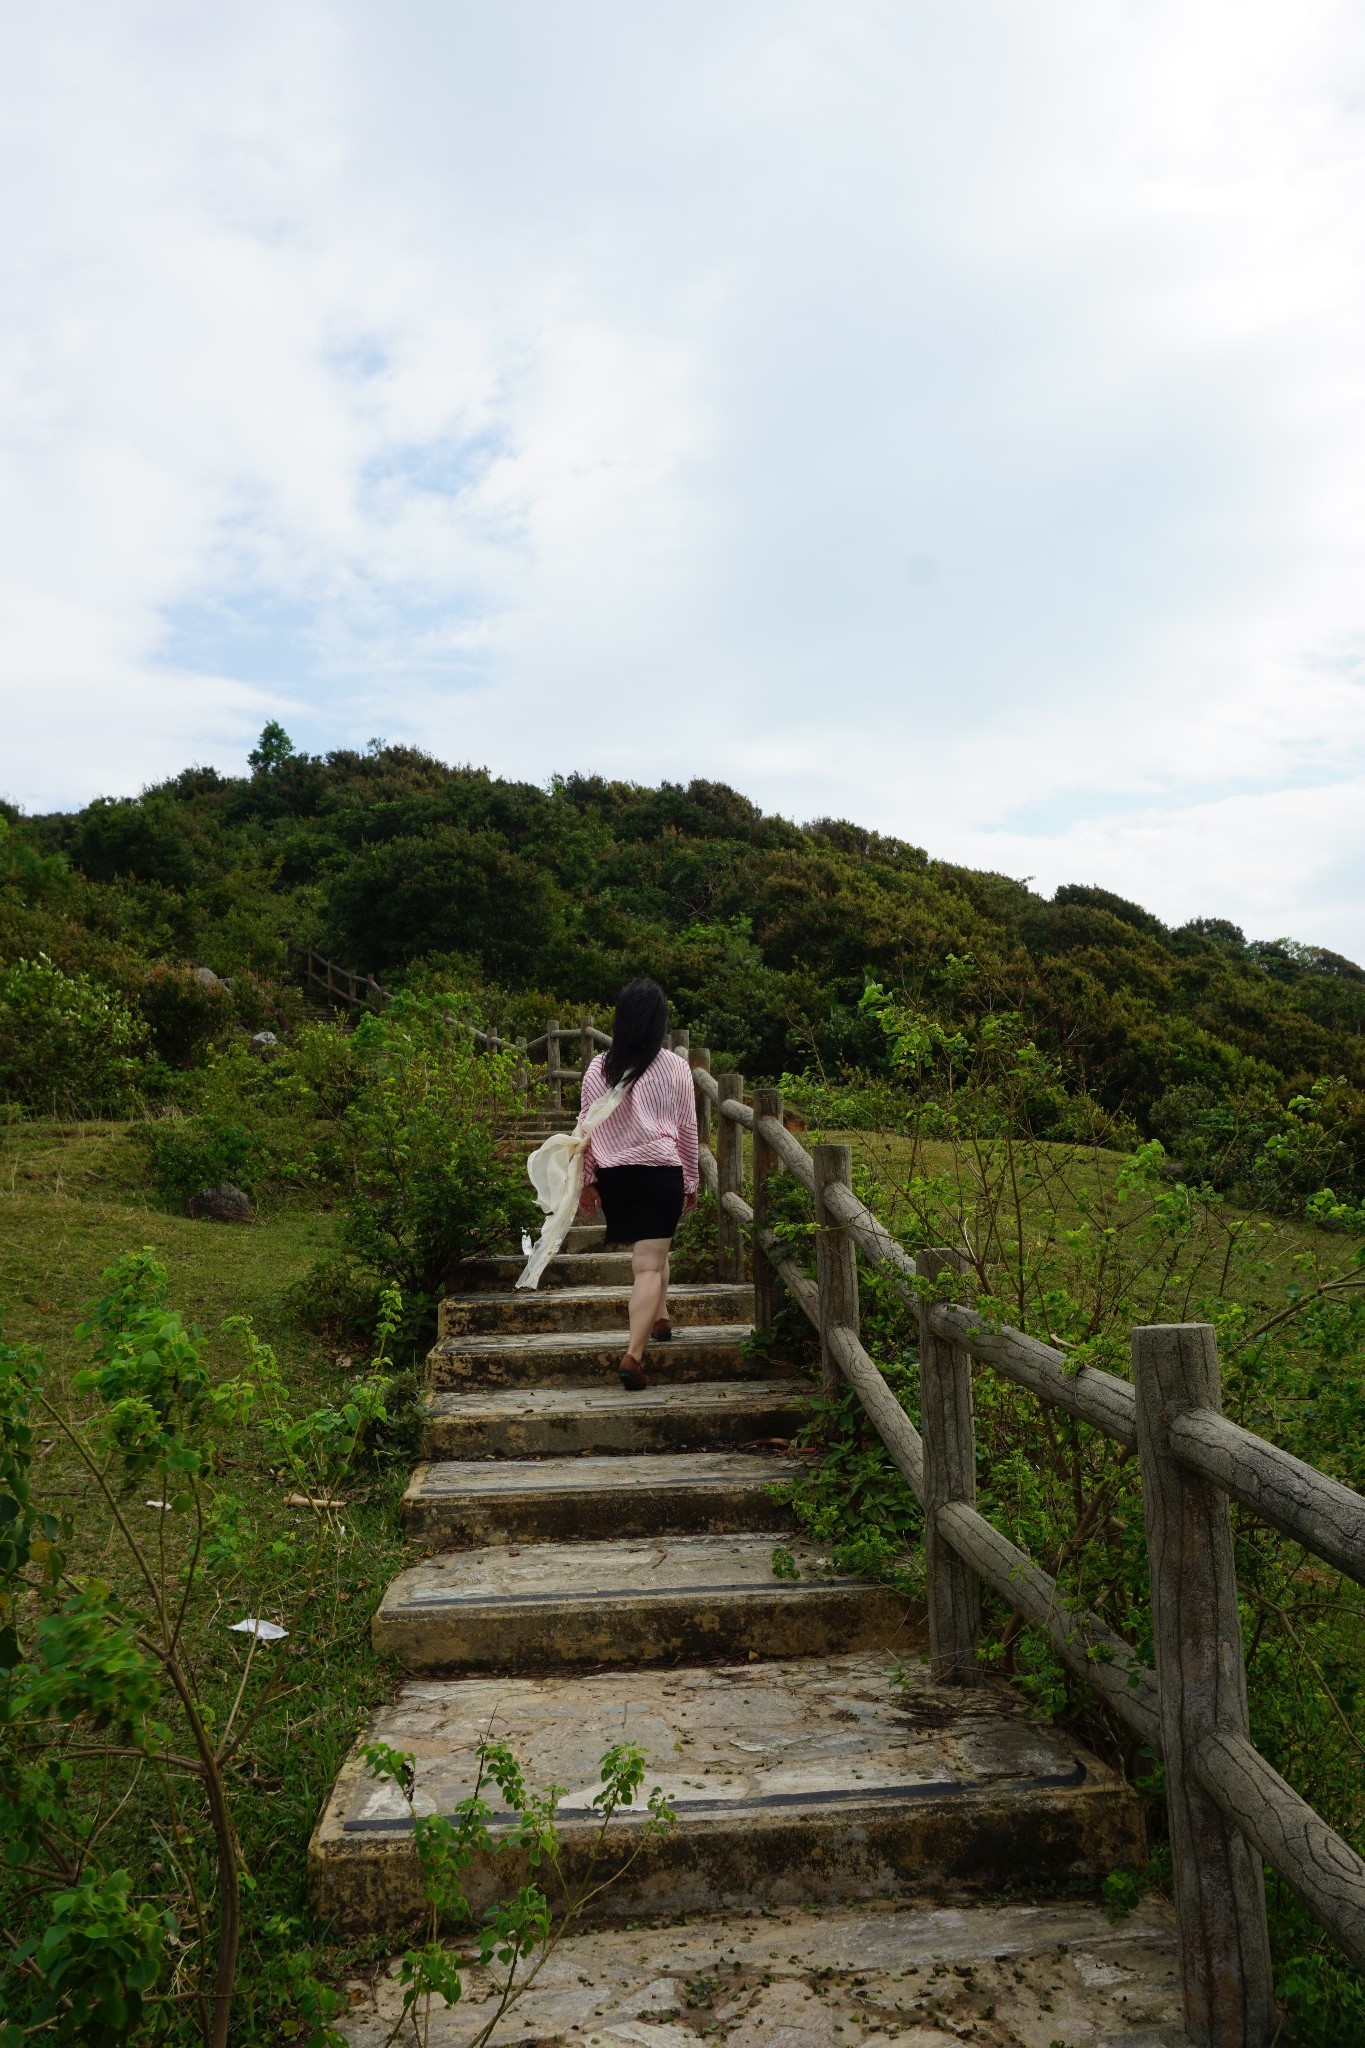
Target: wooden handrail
[(363, 991), (1327, 1518)]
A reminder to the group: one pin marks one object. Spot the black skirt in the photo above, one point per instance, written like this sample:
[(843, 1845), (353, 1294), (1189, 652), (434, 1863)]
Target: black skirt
[(640, 1201)]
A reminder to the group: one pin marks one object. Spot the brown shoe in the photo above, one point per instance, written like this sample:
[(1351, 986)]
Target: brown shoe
[(631, 1374), (662, 1330)]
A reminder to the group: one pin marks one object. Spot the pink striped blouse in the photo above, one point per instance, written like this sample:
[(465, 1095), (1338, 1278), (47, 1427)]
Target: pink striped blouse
[(655, 1124)]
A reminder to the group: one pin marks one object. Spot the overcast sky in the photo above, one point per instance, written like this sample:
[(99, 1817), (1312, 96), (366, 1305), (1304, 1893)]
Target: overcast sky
[(950, 417)]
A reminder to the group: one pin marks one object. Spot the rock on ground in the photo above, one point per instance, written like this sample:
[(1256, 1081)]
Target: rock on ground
[(223, 1204)]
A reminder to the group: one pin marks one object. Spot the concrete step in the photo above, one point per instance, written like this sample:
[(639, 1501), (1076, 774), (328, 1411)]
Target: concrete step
[(589, 1308), (545, 1606), (561, 1500), (996, 1976), (577, 1358), (584, 1237), (561, 1422), (815, 1782), (497, 1273)]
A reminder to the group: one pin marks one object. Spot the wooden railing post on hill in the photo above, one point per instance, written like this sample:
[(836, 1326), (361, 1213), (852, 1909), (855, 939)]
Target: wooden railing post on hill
[(836, 1262), (700, 1056), (767, 1286), (954, 1590), (729, 1178), (552, 1063), (587, 1052), (1228, 1806), (1201, 1678)]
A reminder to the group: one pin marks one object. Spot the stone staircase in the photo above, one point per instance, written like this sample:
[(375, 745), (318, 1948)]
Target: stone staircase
[(597, 1566)]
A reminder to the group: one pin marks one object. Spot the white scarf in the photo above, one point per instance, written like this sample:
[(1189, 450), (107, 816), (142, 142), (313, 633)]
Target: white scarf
[(556, 1171)]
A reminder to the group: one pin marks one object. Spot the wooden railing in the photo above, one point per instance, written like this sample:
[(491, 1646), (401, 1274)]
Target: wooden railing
[(1228, 1809), (341, 984), (363, 992)]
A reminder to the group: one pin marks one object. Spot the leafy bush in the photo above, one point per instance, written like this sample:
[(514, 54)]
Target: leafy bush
[(268, 1125), (425, 1186), (184, 1014), (110, 1697), (67, 1045), (1272, 1154), (192, 1153), (394, 1122)]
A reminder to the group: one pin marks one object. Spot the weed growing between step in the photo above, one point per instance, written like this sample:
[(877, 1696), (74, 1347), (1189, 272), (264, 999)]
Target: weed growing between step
[(144, 1675), (520, 1933)]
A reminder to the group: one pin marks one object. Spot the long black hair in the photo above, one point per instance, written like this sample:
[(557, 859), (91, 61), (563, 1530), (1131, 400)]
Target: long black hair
[(637, 1031)]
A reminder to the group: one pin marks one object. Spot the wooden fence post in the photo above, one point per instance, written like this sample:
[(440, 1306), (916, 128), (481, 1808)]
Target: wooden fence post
[(1201, 1678), (836, 1262), (587, 1052), (945, 1393), (552, 1063), (729, 1179), (523, 1068), (699, 1056), (767, 1286), (682, 1042)]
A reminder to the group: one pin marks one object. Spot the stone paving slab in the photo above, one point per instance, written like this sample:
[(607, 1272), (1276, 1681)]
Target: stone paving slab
[(997, 1976), (538, 1606), (530, 1500), (587, 1357), (815, 1780), (590, 1267), (589, 1308), (565, 1421)]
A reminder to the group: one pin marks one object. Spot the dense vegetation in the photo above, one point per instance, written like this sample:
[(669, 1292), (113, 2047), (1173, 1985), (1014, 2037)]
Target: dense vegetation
[(1099, 1110), (1246, 1058), (1078, 1245)]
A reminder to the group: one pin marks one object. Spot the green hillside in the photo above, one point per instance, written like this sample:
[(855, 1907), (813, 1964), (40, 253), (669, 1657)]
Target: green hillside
[(1247, 1058)]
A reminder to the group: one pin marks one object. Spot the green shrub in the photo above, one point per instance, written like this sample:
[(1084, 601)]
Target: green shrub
[(184, 1014), (126, 1728), (67, 1045), (424, 1184), (270, 1126), (190, 1153), (1270, 1153)]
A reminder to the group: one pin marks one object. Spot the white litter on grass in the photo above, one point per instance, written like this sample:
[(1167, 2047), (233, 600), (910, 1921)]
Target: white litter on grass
[(264, 1631), (156, 1503)]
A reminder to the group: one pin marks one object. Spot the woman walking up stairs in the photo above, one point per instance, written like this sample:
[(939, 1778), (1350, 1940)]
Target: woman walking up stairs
[(597, 1566)]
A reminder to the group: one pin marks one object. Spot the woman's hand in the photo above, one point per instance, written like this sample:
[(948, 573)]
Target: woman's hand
[(689, 1203), (590, 1202)]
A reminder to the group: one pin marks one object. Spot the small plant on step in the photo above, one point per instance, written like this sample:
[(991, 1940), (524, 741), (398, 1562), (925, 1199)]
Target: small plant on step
[(519, 1933)]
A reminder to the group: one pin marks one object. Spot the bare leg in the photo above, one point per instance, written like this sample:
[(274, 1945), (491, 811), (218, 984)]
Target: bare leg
[(663, 1298), (649, 1263)]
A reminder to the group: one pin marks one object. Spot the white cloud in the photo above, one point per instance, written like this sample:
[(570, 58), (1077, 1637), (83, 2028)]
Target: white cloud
[(951, 418)]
